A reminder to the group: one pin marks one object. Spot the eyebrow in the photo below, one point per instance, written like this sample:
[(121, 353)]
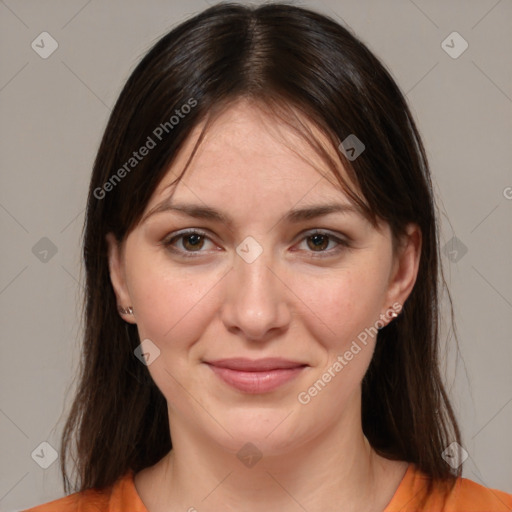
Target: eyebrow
[(293, 216)]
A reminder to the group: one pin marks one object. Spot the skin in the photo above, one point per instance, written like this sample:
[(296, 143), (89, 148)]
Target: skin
[(293, 301)]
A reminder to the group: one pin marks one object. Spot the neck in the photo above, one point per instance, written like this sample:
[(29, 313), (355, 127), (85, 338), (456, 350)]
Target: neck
[(335, 470)]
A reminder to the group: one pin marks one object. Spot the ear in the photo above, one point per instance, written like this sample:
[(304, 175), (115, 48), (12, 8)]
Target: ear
[(405, 267), (117, 275)]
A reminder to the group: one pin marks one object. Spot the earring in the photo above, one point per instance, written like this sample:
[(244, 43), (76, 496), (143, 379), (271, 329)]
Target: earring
[(127, 311), (393, 316)]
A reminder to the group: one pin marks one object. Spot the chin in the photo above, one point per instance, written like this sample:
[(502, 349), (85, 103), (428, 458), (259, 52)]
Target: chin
[(273, 433)]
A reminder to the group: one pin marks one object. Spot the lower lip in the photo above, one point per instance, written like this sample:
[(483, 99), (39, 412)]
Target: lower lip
[(256, 382)]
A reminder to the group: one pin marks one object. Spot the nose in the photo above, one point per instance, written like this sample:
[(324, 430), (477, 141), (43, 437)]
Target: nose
[(255, 304)]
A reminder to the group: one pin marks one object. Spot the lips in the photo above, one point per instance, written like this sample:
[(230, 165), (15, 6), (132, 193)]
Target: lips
[(256, 376), (258, 365)]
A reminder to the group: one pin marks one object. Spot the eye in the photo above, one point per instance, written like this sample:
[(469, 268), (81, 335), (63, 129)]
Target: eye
[(191, 241), (318, 241)]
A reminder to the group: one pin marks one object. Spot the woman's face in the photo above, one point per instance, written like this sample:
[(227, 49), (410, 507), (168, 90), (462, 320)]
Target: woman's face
[(258, 284)]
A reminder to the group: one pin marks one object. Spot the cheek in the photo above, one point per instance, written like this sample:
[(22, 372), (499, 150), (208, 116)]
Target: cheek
[(339, 306), (342, 311), (172, 306), (173, 310)]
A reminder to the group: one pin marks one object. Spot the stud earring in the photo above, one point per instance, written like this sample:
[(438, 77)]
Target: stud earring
[(393, 315), (127, 311)]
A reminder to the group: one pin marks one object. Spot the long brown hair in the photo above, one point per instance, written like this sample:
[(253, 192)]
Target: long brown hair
[(290, 60)]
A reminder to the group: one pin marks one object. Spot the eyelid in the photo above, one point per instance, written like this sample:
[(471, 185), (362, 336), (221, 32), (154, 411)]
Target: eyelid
[(341, 237), (342, 241), (167, 241)]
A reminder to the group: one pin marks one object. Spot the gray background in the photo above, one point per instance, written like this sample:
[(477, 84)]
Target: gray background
[(53, 112)]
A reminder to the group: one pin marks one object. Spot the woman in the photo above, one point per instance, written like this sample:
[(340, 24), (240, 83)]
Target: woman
[(262, 264)]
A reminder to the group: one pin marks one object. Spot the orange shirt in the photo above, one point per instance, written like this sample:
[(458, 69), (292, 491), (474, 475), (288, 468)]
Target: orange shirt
[(466, 496)]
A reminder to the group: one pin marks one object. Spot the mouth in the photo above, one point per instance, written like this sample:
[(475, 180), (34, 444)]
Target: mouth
[(256, 376)]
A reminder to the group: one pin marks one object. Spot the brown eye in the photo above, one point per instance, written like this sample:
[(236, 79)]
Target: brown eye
[(193, 242), (318, 242), (187, 243)]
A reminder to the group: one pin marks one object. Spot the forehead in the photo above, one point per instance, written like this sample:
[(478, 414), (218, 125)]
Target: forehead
[(248, 153)]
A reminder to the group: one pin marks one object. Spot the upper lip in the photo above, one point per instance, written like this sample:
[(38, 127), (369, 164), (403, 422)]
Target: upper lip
[(255, 365)]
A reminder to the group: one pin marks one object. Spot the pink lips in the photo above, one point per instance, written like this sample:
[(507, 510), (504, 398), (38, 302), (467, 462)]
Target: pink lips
[(256, 376)]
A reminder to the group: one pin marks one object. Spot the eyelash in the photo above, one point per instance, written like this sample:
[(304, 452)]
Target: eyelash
[(342, 244)]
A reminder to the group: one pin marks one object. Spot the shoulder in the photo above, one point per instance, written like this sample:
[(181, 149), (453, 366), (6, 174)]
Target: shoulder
[(466, 495), (474, 497), (86, 501), (120, 496)]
